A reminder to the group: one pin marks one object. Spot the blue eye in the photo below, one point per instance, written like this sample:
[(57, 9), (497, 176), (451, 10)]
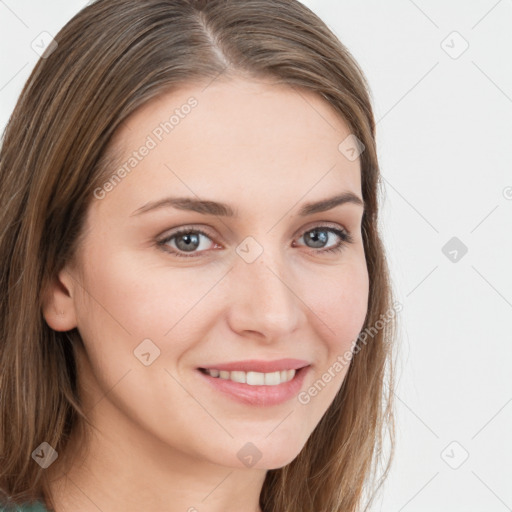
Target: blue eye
[(319, 236), (189, 239)]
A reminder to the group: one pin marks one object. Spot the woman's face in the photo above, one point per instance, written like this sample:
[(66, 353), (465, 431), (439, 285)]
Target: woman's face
[(153, 307)]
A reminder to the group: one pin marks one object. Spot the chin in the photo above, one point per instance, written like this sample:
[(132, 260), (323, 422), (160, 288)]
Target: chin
[(276, 462), (271, 459)]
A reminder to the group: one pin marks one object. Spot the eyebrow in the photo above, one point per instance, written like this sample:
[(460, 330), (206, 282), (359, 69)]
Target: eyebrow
[(207, 207)]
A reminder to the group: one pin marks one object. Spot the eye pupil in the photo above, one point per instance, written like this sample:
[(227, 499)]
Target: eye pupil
[(318, 235), (191, 243)]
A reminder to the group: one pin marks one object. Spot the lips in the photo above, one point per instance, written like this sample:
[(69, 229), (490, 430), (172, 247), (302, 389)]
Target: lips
[(257, 395), (260, 366)]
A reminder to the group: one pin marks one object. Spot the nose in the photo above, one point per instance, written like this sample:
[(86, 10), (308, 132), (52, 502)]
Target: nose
[(263, 299)]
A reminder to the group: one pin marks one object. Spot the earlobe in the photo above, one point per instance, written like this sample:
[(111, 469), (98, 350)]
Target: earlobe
[(58, 303)]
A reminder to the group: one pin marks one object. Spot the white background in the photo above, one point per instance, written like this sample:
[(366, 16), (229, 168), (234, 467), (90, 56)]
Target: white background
[(444, 139)]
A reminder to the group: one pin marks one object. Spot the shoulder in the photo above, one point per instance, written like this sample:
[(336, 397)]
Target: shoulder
[(35, 506)]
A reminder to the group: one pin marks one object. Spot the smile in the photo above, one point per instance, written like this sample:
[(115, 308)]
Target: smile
[(256, 388), (253, 378)]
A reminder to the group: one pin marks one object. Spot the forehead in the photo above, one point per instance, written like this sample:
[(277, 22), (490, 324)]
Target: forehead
[(242, 142)]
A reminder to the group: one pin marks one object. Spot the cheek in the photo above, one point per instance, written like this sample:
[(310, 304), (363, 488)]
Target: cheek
[(125, 301), (342, 303), (338, 314), (126, 291), (129, 298)]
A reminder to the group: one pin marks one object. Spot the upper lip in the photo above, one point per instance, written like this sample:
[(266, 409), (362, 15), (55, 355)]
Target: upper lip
[(254, 365)]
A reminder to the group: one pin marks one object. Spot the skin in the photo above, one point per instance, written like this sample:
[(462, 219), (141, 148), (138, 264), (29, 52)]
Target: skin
[(163, 439)]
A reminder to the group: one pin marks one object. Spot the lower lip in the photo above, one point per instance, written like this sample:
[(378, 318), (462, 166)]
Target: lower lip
[(259, 395)]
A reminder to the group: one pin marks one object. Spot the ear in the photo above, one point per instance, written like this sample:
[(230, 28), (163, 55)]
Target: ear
[(58, 302)]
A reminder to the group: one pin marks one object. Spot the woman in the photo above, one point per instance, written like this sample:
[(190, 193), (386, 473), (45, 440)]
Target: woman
[(189, 228)]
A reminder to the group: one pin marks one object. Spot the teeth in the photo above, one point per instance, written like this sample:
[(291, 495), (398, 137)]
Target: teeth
[(254, 378), (272, 379), (237, 376)]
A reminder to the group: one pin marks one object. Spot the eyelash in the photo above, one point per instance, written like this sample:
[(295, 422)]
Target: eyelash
[(345, 237)]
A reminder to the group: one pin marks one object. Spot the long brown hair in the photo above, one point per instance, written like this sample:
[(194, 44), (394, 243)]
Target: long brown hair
[(111, 58)]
